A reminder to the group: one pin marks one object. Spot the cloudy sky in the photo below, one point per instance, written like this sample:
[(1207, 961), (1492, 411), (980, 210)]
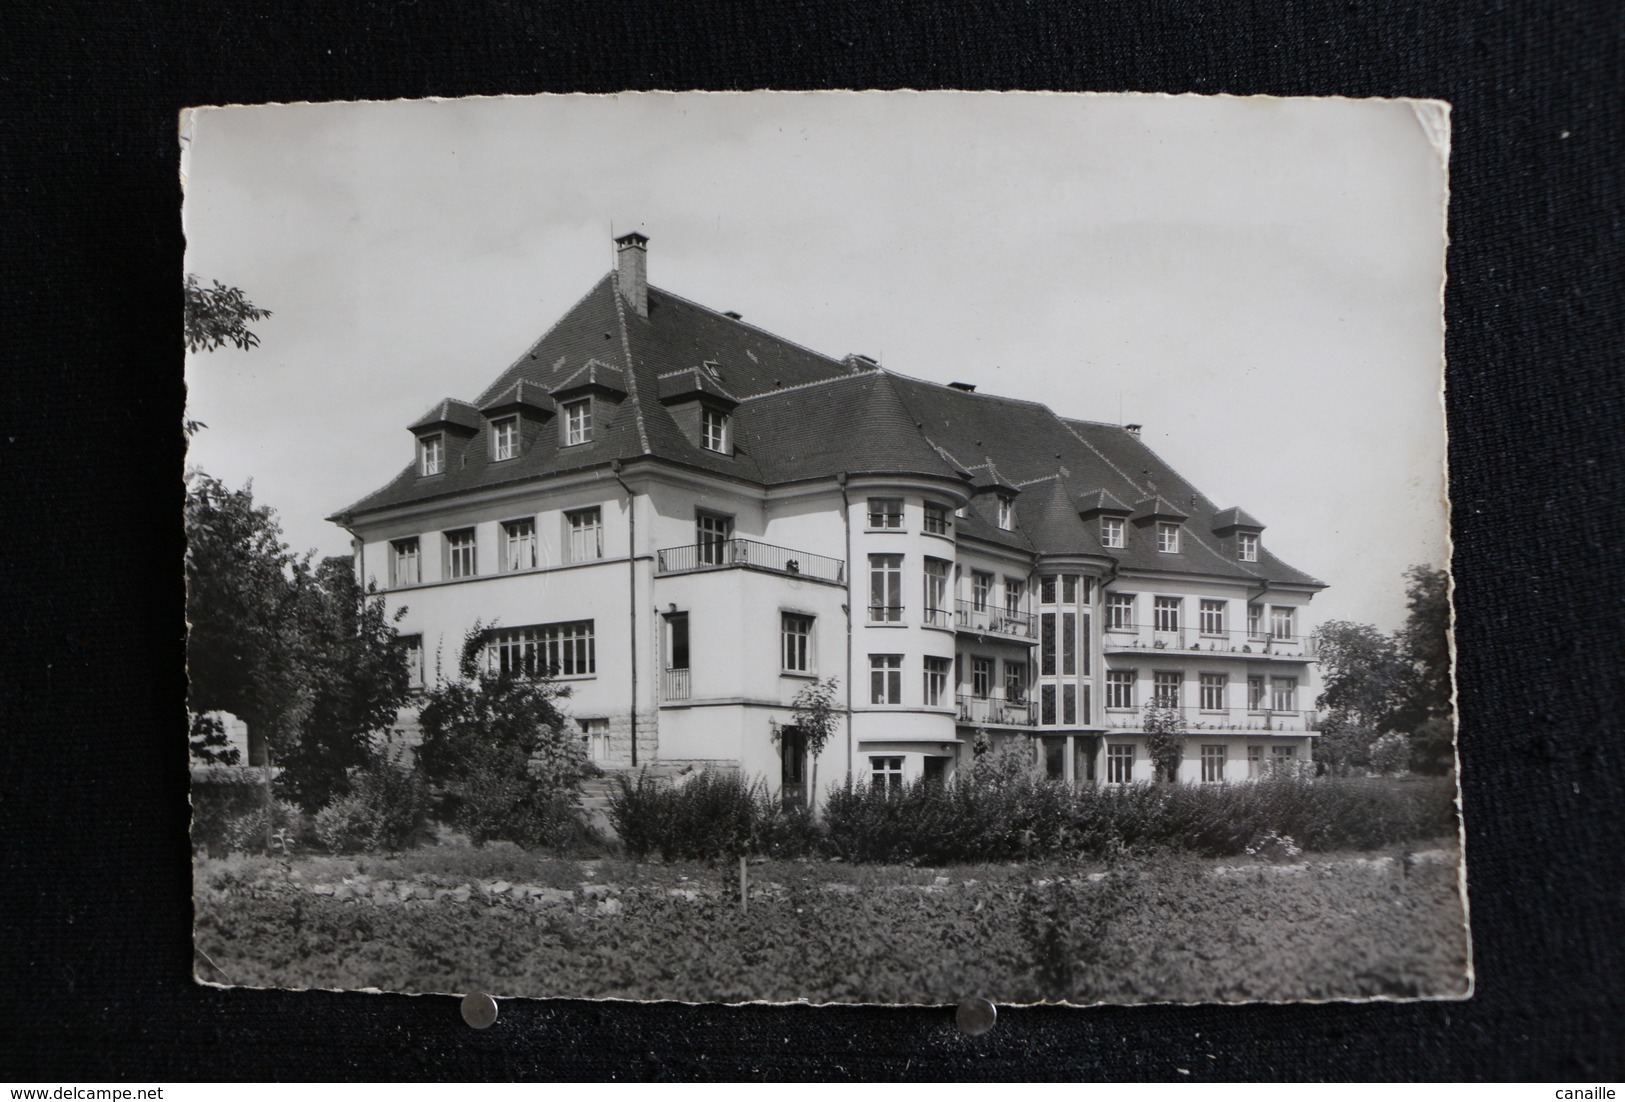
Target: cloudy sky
[(1255, 281)]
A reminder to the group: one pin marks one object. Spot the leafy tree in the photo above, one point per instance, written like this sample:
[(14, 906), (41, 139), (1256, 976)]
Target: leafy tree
[(816, 712), (1164, 738), (1362, 672), (219, 315), (209, 742), (302, 656), (501, 749), (1390, 752), (353, 682)]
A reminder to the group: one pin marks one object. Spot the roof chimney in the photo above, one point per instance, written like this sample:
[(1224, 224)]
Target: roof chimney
[(632, 270), (968, 388), (1132, 430)]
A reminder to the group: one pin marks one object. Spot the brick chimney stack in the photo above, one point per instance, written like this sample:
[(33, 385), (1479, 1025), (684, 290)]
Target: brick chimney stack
[(632, 270)]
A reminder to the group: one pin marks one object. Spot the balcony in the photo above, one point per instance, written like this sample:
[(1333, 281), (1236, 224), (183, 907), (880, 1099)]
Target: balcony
[(749, 555), (995, 711), (1279, 721), (1238, 644), (676, 685), (988, 620)]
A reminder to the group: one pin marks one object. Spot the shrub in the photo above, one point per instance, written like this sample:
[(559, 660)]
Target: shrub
[(386, 806), (711, 815), (221, 796)]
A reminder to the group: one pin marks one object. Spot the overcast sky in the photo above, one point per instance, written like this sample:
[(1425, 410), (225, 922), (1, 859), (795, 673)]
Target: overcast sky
[(1255, 281)]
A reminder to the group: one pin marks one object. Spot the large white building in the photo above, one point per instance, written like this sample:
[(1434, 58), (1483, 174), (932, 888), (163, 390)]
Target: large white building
[(688, 520)]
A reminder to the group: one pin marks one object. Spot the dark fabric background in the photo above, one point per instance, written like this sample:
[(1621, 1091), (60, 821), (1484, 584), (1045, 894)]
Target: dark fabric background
[(94, 949)]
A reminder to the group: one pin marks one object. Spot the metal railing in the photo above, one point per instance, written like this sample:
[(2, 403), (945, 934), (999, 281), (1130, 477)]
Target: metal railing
[(1139, 636), (937, 618), (1228, 719), (885, 614), (996, 621), (995, 709), (676, 685), (749, 554)]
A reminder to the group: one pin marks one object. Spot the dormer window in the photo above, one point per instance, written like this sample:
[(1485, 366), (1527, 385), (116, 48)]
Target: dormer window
[(1167, 537), (577, 422), (432, 453), (1247, 546), (505, 438), (1005, 513), (714, 430), (1111, 531)]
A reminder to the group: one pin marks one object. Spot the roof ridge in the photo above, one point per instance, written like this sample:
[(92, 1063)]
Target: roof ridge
[(804, 386), (748, 325), (631, 373), (485, 394), (974, 393)]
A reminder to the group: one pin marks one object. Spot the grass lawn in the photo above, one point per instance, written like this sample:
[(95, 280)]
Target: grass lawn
[(497, 919)]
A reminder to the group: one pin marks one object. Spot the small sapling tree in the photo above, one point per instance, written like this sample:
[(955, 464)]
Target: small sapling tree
[(815, 711), (1164, 738)]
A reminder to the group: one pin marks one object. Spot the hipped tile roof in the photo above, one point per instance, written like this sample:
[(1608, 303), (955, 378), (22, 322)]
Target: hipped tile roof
[(802, 416)]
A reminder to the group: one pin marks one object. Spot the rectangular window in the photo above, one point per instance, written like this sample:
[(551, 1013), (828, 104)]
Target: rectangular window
[(936, 519), (936, 681), (432, 454), (1167, 688), (1120, 688), (404, 568), (505, 438), (546, 650), (1069, 704), (886, 774), (981, 588), (412, 649), (937, 613), (885, 589), (1213, 764), (1282, 754), (586, 534), (885, 679), (1281, 622), (1111, 532), (1166, 613), (1013, 592), (596, 732), (1120, 763), (1255, 694), (1283, 694), (1212, 617), (1119, 612), (519, 545), (1167, 537), (1069, 643), (1255, 761), (1046, 590), (1046, 698), (1214, 688), (1069, 589), (796, 632), (577, 422), (1046, 644), (885, 512), (714, 430), (1015, 682), (981, 672), (460, 562), (712, 531), (1255, 621), (1247, 547), (1006, 517)]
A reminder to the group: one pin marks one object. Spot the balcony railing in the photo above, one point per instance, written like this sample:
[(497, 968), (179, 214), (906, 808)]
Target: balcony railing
[(1232, 719), (750, 555), (937, 618), (995, 621), (676, 685), (1194, 640), (995, 710)]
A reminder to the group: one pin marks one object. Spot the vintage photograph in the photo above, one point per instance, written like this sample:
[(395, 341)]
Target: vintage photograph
[(829, 547)]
